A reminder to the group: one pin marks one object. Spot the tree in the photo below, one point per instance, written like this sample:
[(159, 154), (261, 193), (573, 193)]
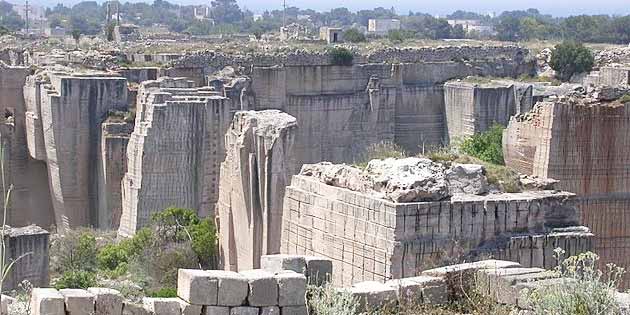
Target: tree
[(509, 28), (396, 36), (76, 35), (353, 35), (9, 19), (226, 11), (570, 58), (458, 32)]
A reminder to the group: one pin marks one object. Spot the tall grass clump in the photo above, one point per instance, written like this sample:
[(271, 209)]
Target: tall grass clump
[(584, 289)]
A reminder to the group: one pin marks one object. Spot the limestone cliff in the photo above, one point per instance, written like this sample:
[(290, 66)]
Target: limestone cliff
[(259, 163), (30, 199), (583, 144), (174, 152)]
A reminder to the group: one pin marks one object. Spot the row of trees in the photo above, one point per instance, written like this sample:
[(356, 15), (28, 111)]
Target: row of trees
[(530, 24), (88, 17)]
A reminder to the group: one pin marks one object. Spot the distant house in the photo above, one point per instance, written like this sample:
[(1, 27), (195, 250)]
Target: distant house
[(55, 32), (381, 27), (470, 26), (330, 34), (201, 12)]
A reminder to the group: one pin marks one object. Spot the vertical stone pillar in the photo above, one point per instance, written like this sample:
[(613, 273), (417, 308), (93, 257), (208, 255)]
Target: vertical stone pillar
[(258, 166)]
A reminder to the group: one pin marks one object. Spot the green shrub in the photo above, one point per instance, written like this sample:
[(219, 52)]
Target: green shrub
[(171, 223), (570, 58), (326, 300), (397, 36), (75, 250), (353, 35), (162, 263), (341, 56), (584, 289), (168, 292), (76, 280), (204, 242), (625, 98), (111, 257), (486, 146)]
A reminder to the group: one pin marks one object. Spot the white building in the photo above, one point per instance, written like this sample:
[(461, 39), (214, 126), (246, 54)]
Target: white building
[(381, 27)]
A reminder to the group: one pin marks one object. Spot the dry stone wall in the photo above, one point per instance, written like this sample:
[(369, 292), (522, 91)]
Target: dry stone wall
[(372, 239), (258, 166), (174, 152), (584, 147)]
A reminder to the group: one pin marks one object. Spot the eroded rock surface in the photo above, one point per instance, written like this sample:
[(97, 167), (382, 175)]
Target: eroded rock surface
[(403, 180), (259, 162)]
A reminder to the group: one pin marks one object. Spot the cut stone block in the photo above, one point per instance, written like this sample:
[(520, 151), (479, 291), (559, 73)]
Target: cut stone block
[(244, 310), (189, 309), (78, 302), (425, 289), (6, 300), (294, 310), (134, 309), (277, 263), (215, 310), (372, 294), (263, 288), (499, 283), (47, 301), (291, 288), (197, 287), (162, 306), (460, 278), (232, 287), (318, 270), (107, 301), (270, 310)]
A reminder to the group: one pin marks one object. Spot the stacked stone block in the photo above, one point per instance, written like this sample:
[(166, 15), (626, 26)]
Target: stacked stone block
[(371, 239), (248, 292)]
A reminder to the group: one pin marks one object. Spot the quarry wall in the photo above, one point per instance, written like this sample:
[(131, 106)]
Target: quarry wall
[(72, 108), (584, 147), (472, 108), (30, 200), (174, 153)]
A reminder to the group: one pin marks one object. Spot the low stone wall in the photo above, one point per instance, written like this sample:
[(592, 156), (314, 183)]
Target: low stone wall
[(368, 238)]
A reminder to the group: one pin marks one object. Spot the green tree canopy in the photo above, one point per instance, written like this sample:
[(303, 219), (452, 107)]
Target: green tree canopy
[(570, 58)]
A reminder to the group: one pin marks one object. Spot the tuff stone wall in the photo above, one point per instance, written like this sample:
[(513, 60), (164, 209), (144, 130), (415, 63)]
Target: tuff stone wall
[(345, 109), (111, 168), (374, 239), (69, 110), (583, 145), (30, 244), (174, 152), (258, 166), (30, 200), (474, 107)]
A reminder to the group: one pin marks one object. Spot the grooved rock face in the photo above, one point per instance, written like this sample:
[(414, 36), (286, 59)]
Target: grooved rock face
[(403, 180)]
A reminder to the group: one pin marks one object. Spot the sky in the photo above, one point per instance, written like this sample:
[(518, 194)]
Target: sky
[(441, 7)]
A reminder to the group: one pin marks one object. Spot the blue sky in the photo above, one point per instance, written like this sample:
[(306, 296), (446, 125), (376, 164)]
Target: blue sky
[(442, 7)]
